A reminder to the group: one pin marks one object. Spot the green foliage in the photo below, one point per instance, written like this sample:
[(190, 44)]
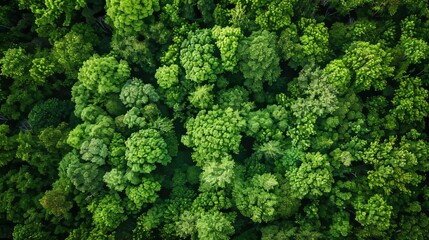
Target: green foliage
[(127, 16), (315, 98), (290, 232), (394, 167), (7, 146), (259, 60), (134, 52), (115, 180), (218, 200), (341, 226), (217, 175), (49, 11), (410, 101), (256, 199), (103, 74), (103, 128), (197, 57), (145, 148), (91, 113), (204, 131), (167, 76), (41, 69), (29, 231), (74, 48), (214, 225), (272, 14), (268, 123), (94, 151), (135, 93), (134, 119), (414, 49), (312, 178), (414, 226), (236, 98), (383, 6), (55, 202), (108, 212), (202, 97), (374, 215), (305, 44), (298, 119), (144, 192), (48, 113), (15, 63), (338, 75), (86, 177), (271, 150), (227, 40), (81, 97), (369, 64)]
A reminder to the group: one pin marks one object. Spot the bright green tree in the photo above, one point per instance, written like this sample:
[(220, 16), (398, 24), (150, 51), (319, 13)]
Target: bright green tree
[(259, 60), (146, 148)]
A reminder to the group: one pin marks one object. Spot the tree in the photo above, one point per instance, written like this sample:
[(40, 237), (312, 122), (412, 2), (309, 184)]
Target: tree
[(48, 113), (74, 48), (48, 12), (167, 76), (103, 74), (374, 216), (139, 54), (305, 44), (202, 97), (341, 226), (369, 64), (145, 148), (410, 104), (227, 40), (135, 93), (86, 177), (256, 199), (259, 60), (144, 193), (272, 14), (312, 178), (394, 168), (414, 47), (217, 175), (94, 151), (115, 179), (213, 133), (30, 230), (7, 146), (41, 69), (381, 6), (197, 57), (15, 62), (103, 128), (127, 16), (107, 212), (236, 98), (214, 225), (267, 124), (315, 98), (56, 203), (338, 75)]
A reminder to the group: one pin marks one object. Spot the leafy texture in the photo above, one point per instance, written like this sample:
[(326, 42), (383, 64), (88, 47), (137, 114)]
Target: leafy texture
[(197, 57), (204, 131), (259, 60), (145, 148)]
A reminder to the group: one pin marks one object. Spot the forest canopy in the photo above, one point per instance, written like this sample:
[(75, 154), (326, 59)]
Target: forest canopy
[(214, 119)]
